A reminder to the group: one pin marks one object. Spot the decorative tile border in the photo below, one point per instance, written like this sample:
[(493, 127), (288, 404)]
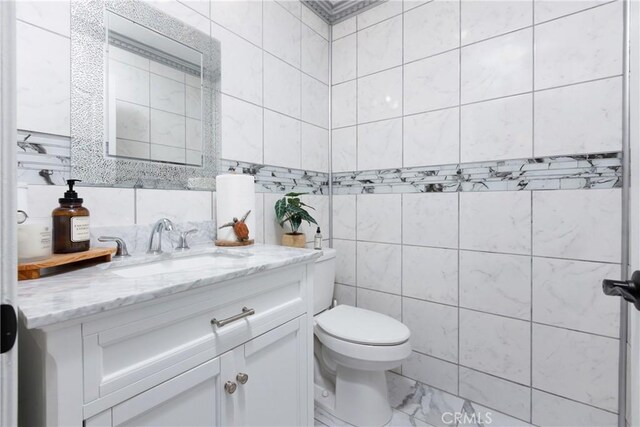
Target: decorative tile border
[(45, 159), (274, 179), (544, 173)]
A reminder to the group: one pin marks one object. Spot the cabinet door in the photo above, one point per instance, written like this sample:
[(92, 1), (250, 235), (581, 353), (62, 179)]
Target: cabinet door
[(276, 391), (188, 400)]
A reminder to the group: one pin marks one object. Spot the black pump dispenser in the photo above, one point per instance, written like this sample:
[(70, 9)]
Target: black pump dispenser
[(71, 196), (70, 223)]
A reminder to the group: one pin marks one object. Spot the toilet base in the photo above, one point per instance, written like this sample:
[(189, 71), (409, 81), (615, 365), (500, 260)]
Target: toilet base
[(364, 398)]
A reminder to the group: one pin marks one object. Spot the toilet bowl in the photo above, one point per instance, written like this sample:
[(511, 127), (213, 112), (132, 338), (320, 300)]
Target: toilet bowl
[(353, 348)]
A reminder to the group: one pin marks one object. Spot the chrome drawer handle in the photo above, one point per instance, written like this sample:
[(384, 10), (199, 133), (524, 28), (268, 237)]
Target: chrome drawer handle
[(246, 312)]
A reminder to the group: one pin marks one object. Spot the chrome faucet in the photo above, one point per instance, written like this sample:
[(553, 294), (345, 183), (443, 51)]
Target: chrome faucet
[(162, 224)]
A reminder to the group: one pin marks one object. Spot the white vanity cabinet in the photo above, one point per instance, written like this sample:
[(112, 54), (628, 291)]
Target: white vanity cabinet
[(190, 399), (275, 392), (164, 362)]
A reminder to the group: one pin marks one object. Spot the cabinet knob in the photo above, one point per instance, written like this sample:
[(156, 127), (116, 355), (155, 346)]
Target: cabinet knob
[(242, 378), (230, 387)]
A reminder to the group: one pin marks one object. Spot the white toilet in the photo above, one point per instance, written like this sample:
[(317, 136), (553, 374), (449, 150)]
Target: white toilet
[(353, 348)]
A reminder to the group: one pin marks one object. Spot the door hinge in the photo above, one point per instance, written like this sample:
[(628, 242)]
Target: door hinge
[(9, 325)]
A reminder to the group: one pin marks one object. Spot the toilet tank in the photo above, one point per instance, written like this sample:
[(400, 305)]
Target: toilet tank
[(324, 280)]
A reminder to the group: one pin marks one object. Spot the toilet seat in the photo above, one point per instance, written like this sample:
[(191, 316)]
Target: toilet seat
[(362, 356), (360, 326), (362, 338)]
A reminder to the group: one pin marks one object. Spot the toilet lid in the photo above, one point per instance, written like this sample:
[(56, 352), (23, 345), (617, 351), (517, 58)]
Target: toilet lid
[(362, 326)]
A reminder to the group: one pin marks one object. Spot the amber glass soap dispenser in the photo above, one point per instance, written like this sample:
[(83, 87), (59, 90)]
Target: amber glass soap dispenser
[(70, 223)]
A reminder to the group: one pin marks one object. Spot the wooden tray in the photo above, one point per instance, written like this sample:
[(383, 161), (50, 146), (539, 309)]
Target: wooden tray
[(230, 243), (31, 270)]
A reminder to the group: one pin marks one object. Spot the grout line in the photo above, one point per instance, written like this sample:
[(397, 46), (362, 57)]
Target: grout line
[(459, 196), (242, 37), (135, 206), (345, 36), (531, 240), (356, 251), (263, 56), (476, 250), (472, 102), (504, 379), (43, 29), (381, 21), (149, 106), (576, 330), (357, 197), (329, 153), (422, 353), (494, 36), (272, 110), (357, 123), (402, 196), (613, 76), (301, 96), (475, 310), (572, 13), (264, 216), (484, 100)]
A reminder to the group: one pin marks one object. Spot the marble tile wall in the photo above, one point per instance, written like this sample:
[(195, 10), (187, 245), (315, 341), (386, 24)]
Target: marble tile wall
[(275, 77), (43, 70), (501, 291), (471, 87), (443, 113)]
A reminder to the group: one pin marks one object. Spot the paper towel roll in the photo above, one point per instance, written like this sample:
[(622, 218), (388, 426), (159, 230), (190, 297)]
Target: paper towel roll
[(235, 195)]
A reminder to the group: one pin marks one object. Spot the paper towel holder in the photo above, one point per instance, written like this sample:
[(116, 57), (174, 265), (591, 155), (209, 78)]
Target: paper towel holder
[(629, 290)]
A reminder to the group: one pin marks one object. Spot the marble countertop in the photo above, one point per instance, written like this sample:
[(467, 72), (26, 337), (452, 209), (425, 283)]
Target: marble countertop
[(87, 291)]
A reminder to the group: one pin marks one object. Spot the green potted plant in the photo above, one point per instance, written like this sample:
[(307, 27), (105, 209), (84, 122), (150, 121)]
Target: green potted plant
[(291, 210)]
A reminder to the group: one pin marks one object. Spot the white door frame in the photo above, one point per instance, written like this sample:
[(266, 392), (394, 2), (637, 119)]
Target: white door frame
[(8, 246), (632, 120)]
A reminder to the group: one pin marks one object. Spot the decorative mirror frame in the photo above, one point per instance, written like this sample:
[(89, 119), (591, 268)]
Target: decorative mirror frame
[(89, 161)]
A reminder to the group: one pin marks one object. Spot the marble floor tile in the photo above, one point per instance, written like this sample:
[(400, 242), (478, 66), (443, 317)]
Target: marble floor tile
[(398, 419), (421, 401)]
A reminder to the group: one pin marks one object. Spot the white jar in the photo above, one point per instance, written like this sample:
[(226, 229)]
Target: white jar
[(34, 239)]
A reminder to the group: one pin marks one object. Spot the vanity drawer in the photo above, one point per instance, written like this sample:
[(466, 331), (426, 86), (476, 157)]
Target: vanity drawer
[(146, 344)]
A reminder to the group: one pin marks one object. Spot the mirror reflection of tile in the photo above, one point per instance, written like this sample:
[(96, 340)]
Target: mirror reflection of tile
[(154, 107)]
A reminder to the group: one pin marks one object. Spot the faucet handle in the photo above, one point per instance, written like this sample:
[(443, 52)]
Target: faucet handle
[(121, 250), (182, 242)]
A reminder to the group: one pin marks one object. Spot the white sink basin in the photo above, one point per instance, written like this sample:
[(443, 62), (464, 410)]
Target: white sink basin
[(173, 265)]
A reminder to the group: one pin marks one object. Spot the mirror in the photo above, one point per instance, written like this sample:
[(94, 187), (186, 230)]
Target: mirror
[(145, 98), (154, 95)]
